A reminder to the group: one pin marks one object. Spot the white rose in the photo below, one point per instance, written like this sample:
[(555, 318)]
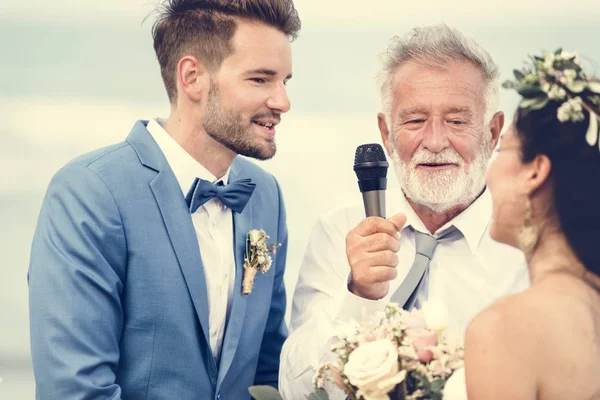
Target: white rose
[(456, 386), (254, 236), (261, 259), (373, 368), (436, 315)]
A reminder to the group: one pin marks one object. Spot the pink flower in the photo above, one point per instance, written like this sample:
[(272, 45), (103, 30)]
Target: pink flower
[(421, 340)]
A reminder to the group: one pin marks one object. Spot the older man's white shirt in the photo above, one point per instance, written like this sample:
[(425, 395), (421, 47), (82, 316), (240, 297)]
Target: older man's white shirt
[(467, 274)]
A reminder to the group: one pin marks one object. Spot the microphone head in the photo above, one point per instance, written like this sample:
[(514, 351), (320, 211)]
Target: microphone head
[(370, 162)]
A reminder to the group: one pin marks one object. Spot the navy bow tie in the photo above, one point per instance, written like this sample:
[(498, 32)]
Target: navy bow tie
[(235, 195)]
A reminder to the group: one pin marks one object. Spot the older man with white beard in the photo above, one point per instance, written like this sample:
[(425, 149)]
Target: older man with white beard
[(439, 126)]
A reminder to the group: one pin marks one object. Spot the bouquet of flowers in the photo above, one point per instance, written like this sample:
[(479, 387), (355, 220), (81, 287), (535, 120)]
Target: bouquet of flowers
[(402, 355), (399, 355)]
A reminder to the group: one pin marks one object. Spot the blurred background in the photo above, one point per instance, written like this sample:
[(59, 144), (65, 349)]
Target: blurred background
[(75, 75)]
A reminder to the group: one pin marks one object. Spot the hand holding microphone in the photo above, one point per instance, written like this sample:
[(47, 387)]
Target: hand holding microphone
[(372, 245)]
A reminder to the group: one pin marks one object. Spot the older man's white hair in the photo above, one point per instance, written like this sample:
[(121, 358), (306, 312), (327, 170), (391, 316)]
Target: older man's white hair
[(437, 46)]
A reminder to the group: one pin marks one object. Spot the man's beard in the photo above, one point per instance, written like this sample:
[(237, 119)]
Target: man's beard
[(444, 190), (227, 127)]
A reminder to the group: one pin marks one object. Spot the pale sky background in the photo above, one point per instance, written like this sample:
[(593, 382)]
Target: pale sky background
[(76, 74)]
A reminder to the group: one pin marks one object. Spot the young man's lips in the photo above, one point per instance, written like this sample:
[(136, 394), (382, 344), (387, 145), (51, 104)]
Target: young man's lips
[(266, 122), (269, 129)]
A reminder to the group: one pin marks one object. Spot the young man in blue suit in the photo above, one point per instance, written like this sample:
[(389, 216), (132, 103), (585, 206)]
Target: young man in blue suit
[(137, 261)]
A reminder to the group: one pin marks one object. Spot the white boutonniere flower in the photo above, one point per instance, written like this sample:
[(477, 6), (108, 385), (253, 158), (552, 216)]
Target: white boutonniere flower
[(258, 257)]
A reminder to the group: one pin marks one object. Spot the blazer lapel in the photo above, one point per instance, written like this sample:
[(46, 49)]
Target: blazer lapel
[(242, 223), (176, 217), (178, 223)]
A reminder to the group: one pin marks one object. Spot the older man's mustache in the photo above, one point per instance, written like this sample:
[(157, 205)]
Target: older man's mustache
[(446, 156)]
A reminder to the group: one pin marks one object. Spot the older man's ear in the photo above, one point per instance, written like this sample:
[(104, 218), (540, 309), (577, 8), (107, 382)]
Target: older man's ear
[(385, 133), (496, 125)]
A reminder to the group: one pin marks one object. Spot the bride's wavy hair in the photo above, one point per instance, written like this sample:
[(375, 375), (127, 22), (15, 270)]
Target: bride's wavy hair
[(575, 175)]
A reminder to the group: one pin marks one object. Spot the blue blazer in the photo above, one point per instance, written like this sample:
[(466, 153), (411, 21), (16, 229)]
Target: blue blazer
[(118, 297)]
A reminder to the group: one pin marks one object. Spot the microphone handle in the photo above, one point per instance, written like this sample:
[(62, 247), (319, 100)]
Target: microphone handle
[(374, 201)]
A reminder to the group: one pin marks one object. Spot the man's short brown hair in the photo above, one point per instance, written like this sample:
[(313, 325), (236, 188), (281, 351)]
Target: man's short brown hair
[(204, 29)]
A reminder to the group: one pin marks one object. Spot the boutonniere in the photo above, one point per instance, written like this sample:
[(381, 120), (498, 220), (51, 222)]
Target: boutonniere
[(258, 257)]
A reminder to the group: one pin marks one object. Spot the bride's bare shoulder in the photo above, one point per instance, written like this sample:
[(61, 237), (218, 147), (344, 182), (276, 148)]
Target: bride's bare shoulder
[(507, 322), (496, 339), (545, 340), (536, 319)]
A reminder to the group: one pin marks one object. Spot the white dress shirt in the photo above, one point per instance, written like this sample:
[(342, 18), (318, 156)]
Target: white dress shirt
[(467, 274), (213, 223)]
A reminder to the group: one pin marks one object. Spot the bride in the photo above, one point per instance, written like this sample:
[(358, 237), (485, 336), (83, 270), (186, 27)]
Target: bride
[(544, 343)]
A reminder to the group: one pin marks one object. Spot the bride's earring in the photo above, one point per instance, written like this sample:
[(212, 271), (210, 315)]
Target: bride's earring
[(528, 234)]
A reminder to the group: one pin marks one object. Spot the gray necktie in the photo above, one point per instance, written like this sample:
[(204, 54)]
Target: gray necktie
[(417, 280)]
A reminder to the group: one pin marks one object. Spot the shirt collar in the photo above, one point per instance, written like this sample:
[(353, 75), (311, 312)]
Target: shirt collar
[(472, 222), (184, 166), (398, 201)]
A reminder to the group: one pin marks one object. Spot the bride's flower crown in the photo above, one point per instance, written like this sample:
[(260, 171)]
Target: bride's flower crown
[(559, 77)]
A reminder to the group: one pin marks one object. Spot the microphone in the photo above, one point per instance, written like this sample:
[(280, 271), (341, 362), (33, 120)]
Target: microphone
[(371, 168)]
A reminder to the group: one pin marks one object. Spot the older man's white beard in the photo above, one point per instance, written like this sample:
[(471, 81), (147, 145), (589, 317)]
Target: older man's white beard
[(444, 190)]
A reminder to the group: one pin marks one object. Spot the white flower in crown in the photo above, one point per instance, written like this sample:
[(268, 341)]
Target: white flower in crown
[(568, 77), (569, 55), (258, 257), (571, 110), (549, 61), (556, 92)]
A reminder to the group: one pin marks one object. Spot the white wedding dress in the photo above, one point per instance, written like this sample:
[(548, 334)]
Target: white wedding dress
[(456, 387)]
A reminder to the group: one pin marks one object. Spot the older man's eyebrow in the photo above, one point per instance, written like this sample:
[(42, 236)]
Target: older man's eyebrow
[(411, 112), (460, 110)]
